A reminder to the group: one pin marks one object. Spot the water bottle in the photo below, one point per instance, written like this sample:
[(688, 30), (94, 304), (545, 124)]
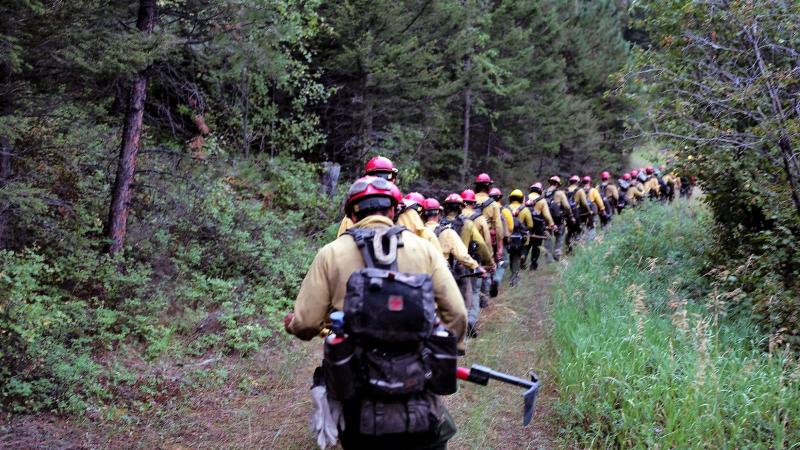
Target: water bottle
[(340, 364)]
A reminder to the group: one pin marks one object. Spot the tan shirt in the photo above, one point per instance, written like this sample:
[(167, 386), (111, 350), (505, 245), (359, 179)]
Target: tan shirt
[(540, 206), (492, 214), (325, 283), (561, 198), (411, 220), (452, 245)]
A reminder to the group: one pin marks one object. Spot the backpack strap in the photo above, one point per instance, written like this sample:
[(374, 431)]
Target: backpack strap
[(372, 249)]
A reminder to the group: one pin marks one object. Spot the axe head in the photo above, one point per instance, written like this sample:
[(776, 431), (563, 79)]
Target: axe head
[(529, 399)]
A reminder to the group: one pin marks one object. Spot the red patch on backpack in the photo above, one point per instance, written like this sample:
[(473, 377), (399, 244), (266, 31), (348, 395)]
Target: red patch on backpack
[(395, 303)]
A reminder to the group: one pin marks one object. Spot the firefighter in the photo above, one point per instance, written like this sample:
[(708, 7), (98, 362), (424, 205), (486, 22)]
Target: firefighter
[(651, 187), (508, 223), (574, 228), (590, 204), (490, 209), (411, 218), (453, 248), (561, 212), (370, 204), (610, 196), (542, 222), (518, 239), (480, 288), (378, 166)]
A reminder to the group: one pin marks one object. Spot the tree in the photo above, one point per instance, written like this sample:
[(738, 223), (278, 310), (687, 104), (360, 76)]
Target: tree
[(131, 141)]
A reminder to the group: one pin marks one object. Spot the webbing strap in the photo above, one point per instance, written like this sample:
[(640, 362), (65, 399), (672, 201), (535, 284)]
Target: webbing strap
[(372, 250)]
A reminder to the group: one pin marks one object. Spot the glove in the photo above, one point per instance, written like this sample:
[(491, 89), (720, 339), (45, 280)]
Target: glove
[(325, 417)]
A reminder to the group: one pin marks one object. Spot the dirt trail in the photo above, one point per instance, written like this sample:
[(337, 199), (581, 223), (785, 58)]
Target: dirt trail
[(264, 403)]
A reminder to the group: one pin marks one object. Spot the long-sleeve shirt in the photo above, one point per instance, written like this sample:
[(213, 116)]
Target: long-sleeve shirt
[(324, 286), (492, 214), (470, 233), (452, 245), (560, 198), (539, 205), (481, 224)]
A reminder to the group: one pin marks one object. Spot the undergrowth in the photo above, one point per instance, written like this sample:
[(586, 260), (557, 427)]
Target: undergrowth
[(647, 355)]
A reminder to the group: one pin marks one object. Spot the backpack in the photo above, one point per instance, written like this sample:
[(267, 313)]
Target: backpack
[(457, 225), (555, 207), (623, 194), (573, 205), (390, 362), (538, 219), (608, 202), (592, 207), (517, 238)]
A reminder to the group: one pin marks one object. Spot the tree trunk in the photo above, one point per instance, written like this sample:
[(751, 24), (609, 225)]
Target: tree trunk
[(121, 192), (467, 112)]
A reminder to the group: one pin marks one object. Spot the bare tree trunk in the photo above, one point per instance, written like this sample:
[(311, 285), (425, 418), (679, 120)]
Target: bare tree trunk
[(467, 113), (245, 113), (116, 226)]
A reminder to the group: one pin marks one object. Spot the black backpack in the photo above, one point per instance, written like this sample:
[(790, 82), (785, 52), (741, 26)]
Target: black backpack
[(623, 194), (572, 204), (555, 207), (538, 219), (520, 232), (391, 362)]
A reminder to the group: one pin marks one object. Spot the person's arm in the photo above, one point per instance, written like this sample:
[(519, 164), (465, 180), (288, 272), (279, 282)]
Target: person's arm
[(450, 304), (457, 249), (484, 251), (614, 192), (595, 197), (526, 218), (430, 236), (313, 302), (580, 198), (566, 209), (544, 210)]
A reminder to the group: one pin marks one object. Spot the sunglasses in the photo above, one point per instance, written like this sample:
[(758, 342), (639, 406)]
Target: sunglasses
[(362, 185)]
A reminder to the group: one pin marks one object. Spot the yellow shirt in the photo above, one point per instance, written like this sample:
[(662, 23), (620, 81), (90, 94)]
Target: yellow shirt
[(634, 194), (482, 225), (540, 207), (508, 218), (325, 284), (651, 185), (470, 233), (524, 215), (453, 245), (492, 214), (560, 198), (411, 220), (579, 196), (611, 191)]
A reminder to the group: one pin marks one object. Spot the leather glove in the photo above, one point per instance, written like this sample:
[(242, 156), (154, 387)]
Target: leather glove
[(325, 417)]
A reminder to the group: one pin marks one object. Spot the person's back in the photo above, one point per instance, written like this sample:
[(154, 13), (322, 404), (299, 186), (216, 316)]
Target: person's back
[(323, 290)]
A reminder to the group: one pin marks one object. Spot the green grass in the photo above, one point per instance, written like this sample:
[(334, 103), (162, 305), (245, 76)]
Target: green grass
[(638, 367)]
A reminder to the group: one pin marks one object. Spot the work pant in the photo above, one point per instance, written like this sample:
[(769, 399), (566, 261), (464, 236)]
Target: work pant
[(475, 305), (501, 268), (573, 234), (589, 228), (465, 286), (437, 440), (534, 245), (514, 257), (555, 243)]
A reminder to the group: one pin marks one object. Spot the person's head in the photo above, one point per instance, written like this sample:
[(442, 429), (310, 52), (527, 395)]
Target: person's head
[(574, 179), (555, 180), (415, 201), (649, 170), (626, 177), (431, 209), (604, 176), (469, 197), (483, 183), (496, 194), (634, 173), (516, 196), (586, 180), (453, 204), (536, 188), (662, 167), (380, 166), (370, 196)]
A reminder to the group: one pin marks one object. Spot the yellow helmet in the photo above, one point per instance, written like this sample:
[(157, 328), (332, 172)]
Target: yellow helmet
[(516, 193)]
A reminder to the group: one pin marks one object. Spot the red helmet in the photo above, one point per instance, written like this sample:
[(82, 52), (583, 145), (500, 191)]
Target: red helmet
[(626, 177), (468, 195), (605, 175), (649, 170), (415, 197), (536, 187), (662, 167), (483, 178), (495, 192), (369, 187), (431, 204), (574, 179), (454, 198), (587, 179), (634, 173), (555, 179), (380, 165)]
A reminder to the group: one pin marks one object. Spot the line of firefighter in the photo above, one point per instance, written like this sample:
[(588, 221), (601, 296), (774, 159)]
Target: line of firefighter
[(476, 232), (470, 237)]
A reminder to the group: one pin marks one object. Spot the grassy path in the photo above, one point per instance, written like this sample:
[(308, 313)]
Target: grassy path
[(263, 402)]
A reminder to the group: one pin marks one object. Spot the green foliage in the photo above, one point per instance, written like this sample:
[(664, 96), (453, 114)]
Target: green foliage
[(647, 356), (720, 82)]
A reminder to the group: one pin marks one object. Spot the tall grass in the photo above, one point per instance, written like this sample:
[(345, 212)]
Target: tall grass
[(646, 356)]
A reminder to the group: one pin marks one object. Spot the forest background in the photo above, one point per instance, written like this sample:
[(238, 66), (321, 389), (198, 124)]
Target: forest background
[(124, 247)]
